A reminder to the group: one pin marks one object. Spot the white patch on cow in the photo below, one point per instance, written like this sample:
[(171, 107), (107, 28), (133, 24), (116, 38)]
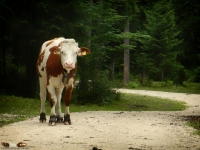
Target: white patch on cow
[(56, 81), (68, 70), (69, 50), (58, 104), (67, 110), (70, 83)]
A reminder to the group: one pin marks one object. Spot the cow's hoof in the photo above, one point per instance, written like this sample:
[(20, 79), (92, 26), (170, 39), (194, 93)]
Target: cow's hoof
[(59, 119), (52, 120), (42, 118), (67, 119)]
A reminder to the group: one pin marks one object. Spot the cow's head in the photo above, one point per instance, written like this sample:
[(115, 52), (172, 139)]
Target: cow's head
[(69, 51)]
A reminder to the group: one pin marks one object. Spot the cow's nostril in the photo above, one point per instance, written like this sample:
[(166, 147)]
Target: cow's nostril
[(69, 63)]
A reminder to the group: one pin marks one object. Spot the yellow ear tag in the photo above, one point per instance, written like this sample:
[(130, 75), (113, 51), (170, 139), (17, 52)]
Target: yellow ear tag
[(83, 53), (55, 52)]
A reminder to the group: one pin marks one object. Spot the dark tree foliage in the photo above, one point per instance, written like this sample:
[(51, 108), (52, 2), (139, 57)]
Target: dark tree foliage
[(188, 20), (164, 41)]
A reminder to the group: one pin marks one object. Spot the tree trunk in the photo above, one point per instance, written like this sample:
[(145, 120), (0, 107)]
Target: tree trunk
[(126, 56)]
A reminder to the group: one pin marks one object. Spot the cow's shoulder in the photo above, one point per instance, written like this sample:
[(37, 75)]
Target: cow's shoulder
[(51, 43)]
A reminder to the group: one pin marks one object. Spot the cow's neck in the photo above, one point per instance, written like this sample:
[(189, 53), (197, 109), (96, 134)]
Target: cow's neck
[(68, 74)]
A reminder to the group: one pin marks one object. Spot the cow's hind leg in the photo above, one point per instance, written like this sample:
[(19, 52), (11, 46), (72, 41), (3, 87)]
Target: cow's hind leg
[(67, 119), (43, 99), (67, 100)]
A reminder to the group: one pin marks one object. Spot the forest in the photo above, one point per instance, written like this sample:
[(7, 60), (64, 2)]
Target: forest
[(143, 40)]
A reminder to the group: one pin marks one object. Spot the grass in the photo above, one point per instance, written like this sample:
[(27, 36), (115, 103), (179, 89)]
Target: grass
[(13, 109), (192, 88), (194, 121), (196, 126), (148, 103)]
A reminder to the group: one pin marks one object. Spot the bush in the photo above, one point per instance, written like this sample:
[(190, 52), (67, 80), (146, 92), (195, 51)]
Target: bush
[(132, 85), (196, 74), (180, 75), (98, 91)]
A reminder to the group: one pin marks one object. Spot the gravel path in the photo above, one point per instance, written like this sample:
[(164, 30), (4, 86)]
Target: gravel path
[(110, 130)]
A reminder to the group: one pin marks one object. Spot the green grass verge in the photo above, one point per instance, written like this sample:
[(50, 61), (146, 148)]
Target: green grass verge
[(13, 109), (147, 103), (194, 121), (192, 88)]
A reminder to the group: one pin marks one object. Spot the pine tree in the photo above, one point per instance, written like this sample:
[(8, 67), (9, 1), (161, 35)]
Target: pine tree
[(102, 19), (161, 47)]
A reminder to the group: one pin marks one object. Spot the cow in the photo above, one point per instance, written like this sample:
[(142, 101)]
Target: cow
[(56, 67)]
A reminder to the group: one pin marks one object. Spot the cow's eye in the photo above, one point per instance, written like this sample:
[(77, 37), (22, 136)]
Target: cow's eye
[(62, 52)]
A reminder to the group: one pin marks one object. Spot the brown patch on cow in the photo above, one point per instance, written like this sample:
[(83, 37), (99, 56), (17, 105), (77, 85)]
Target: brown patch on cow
[(51, 100), (55, 50), (53, 65), (42, 69), (68, 94), (69, 89), (72, 73), (40, 59)]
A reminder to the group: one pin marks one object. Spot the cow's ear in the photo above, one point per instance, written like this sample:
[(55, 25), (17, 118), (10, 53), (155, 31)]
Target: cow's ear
[(83, 51), (55, 50)]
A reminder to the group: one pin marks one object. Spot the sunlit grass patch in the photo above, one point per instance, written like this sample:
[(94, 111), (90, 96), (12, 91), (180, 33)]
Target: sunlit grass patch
[(8, 118), (19, 106), (132, 102), (13, 109), (188, 87)]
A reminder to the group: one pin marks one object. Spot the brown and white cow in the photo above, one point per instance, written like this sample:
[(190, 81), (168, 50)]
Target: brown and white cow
[(56, 67)]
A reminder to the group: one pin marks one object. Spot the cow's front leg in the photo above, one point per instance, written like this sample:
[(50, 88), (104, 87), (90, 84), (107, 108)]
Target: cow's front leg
[(53, 119), (67, 119), (58, 105), (67, 100), (53, 101), (42, 117)]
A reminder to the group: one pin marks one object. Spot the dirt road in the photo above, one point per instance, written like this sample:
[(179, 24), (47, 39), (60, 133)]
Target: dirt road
[(112, 130)]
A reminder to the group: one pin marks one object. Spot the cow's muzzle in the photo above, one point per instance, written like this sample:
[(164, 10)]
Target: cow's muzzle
[(68, 65)]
